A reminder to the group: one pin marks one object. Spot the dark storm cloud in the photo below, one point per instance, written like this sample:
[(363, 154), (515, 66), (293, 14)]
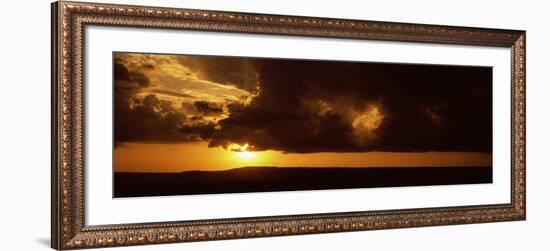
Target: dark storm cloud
[(143, 119), (198, 131), (149, 120), (424, 108), (312, 106), (240, 72), (154, 95), (208, 108), (123, 74), (267, 129)]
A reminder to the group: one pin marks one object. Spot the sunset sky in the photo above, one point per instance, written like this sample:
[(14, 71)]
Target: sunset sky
[(176, 113)]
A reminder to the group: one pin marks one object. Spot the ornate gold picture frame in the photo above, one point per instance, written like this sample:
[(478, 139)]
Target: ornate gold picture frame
[(69, 228)]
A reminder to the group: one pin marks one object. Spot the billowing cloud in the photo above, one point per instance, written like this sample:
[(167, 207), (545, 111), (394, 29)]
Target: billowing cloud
[(235, 71), (208, 108), (300, 106), (163, 99), (142, 118), (321, 106)]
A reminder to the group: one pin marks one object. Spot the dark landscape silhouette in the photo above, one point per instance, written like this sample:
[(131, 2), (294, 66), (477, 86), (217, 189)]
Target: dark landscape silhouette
[(270, 179)]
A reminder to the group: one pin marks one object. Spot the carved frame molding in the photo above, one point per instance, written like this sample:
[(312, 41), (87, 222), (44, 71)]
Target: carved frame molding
[(68, 226)]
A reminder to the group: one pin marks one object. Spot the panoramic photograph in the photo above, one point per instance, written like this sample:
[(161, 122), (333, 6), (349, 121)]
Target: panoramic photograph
[(196, 124)]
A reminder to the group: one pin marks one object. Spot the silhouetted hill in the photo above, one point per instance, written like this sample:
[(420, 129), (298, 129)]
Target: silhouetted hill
[(266, 179)]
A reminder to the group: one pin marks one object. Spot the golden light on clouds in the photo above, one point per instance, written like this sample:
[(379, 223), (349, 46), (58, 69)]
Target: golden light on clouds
[(238, 148), (368, 121), (173, 81)]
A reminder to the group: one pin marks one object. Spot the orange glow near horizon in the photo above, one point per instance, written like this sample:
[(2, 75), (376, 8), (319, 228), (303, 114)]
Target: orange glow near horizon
[(139, 157)]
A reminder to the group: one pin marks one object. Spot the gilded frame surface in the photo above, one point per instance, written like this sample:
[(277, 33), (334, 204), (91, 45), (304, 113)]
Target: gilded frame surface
[(68, 226)]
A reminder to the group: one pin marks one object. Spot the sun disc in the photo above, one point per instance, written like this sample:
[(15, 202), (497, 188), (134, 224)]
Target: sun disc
[(246, 155)]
